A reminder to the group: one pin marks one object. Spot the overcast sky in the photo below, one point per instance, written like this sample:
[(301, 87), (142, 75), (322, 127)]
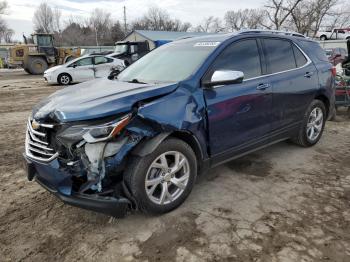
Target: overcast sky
[(20, 14)]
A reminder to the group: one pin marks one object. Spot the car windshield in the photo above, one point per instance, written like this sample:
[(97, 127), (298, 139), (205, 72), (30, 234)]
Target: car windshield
[(169, 63), (120, 49)]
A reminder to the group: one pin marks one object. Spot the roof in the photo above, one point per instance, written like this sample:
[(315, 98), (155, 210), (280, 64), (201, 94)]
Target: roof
[(165, 35)]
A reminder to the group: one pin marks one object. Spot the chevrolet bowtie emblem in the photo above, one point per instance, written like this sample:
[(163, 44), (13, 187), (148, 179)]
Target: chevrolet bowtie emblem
[(35, 125)]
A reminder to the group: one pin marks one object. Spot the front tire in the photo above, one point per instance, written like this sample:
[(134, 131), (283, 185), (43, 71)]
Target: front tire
[(37, 65), (64, 79), (312, 125), (162, 180)]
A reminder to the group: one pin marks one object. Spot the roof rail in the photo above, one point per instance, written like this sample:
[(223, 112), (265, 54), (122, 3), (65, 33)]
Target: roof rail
[(277, 32)]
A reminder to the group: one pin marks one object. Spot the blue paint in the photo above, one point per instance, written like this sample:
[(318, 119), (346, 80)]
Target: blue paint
[(226, 120)]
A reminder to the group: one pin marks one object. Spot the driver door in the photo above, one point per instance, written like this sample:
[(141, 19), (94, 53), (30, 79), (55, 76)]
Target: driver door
[(82, 70), (239, 114)]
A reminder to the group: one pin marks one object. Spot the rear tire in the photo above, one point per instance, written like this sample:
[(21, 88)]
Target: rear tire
[(323, 38), (151, 177), (37, 65), (312, 125), (64, 79)]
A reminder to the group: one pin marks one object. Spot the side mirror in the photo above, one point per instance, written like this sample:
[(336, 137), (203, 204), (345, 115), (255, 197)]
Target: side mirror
[(225, 77)]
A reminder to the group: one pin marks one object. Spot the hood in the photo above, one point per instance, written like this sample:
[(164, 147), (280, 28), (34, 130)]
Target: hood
[(51, 69), (95, 99)]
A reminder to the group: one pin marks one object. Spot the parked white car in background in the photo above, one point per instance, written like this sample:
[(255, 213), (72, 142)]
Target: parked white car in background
[(82, 69)]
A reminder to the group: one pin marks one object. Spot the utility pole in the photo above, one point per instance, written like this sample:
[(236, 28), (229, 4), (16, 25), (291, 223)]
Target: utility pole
[(125, 29)]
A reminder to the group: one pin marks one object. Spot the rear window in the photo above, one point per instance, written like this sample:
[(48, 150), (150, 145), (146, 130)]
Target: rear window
[(314, 50), (279, 54)]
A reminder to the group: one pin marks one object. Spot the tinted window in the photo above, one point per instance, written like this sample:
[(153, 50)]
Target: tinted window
[(240, 56), (300, 59), (279, 54), (313, 50)]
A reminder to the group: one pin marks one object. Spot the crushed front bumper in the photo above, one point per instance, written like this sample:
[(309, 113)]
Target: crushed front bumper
[(57, 181)]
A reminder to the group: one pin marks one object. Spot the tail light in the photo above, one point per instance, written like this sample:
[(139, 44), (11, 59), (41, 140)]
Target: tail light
[(334, 71)]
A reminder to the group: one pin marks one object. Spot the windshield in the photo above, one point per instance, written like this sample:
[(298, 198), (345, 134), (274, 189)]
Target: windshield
[(172, 62), (121, 49), (43, 40)]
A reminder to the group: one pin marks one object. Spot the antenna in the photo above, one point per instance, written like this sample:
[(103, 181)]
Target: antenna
[(125, 28)]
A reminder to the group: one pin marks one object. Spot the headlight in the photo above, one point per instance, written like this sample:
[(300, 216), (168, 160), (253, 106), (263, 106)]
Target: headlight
[(104, 132), (93, 134)]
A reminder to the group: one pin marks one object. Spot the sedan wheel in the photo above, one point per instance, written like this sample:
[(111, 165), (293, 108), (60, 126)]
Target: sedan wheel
[(167, 177), (64, 79)]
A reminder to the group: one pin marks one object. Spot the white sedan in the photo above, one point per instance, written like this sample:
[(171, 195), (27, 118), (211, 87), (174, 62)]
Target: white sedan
[(82, 69)]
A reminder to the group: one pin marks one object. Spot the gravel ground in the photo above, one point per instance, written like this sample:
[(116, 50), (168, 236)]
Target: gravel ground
[(283, 203)]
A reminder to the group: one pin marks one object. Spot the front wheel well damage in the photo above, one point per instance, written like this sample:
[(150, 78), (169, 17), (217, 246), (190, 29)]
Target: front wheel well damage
[(145, 147)]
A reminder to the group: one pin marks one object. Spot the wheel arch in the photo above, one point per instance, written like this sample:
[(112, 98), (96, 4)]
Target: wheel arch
[(147, 146), (325, 101)]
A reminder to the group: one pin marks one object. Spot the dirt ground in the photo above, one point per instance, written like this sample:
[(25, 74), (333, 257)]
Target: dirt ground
[(283, 203)]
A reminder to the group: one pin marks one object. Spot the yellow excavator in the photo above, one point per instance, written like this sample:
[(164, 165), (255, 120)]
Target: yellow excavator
[(38, 56)]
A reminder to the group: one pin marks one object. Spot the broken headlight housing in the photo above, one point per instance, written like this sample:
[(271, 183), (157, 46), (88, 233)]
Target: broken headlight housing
[(94, 133), (104, 132)]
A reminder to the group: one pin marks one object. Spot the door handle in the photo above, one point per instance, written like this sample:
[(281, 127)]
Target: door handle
[(308, 74), (263, 86)]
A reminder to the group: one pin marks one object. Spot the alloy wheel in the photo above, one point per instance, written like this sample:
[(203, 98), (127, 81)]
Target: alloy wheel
[(65, 79), (314, 124), (167, 177)]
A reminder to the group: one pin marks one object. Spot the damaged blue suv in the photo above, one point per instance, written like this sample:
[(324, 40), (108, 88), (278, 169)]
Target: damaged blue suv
[(138, 142)]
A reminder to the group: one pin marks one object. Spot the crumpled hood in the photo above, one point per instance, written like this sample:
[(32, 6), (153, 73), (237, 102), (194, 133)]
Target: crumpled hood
[(95, 99)]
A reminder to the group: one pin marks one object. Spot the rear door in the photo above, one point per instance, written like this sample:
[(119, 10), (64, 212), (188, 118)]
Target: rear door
[(102, 66), (82, 70), (294, 82), (238, 114)]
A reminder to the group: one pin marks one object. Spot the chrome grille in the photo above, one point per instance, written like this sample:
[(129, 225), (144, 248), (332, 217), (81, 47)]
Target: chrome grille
[(37, 145)]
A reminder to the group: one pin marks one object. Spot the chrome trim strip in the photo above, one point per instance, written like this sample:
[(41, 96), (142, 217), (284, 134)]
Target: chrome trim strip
[(39, 151), (31, 146), (34, 138), (46, 125), (29, 125), (40, 146)]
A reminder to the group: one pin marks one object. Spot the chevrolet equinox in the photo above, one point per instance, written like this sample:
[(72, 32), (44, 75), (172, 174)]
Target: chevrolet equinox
[(139, 141)]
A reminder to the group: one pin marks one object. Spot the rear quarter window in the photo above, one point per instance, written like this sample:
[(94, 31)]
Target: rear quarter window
[(313, 50)]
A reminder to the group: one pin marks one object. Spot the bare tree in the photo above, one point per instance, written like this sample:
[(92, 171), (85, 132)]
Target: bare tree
[(100, 22), (5, 33), (278, 11), (246, 18), (159, 19), (43, 19), (3, 7), (210, 24)]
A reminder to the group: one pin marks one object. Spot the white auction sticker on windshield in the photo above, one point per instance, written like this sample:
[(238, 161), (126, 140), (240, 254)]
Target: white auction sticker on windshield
[(206, 44)]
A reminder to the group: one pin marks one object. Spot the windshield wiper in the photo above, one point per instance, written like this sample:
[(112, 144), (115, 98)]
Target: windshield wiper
[(136, 81)]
